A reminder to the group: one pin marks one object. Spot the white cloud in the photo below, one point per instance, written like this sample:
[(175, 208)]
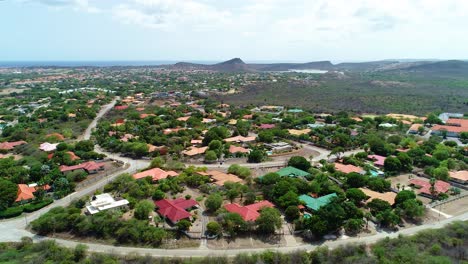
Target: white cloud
[(79, 5), (171, 14)]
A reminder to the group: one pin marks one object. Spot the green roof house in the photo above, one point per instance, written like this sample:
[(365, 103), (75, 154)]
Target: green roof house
[(292, 172), (315, 203)]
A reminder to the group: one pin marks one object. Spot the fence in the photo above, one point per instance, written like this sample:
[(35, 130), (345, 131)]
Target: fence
[(448, 200), (95, 178)]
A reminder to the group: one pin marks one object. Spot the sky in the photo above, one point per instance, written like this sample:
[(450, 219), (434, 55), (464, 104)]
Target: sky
[(217, 30)]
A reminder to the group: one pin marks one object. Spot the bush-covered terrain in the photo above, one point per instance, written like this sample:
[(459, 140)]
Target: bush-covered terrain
[(447, 245)]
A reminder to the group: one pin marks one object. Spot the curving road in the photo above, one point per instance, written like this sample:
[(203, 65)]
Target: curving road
[(14, 229)]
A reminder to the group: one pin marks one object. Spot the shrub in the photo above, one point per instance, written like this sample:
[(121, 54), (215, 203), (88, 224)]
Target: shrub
[(31, 207), (11, 212)]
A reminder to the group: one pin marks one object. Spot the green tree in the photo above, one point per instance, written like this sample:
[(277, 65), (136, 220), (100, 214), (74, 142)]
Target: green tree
[(412, 209), (377, 205), (403, 196), (337, 151), (216, 146), (405, 161), (388, 218), (143, 208), (8, 192), (355, 195), (392, 165), (356, 180), (157, 162), (210, 156), (183, 225), (292, 213), (299, 162), (158, 195), (213, 202), (266, 136), (353, 226), (256, 156), (233, 223), (268, 221), (213, 228), (79, 253)]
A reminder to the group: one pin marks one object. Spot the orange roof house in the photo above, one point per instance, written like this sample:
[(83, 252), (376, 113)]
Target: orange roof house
[(193, 151), (459, 176), (234, 149), (240, 139), (249, 212), (219, 178), (298, 132), (156, 174), (348, 168), (26, 192), (11, 145), (183, 119), (89, 167), (143, 116), (387, 196)]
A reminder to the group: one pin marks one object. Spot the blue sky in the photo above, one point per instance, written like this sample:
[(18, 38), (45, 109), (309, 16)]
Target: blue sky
[(215, 30)]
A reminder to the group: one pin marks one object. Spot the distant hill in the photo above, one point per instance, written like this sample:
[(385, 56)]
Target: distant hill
[(316, 65), (450, 65), (238, 65)]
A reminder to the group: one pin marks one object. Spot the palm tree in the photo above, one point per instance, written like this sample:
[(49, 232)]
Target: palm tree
[(432, 181)]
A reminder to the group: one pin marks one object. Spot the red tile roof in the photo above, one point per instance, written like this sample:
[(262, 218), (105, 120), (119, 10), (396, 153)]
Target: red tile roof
[(378, 160), (56, 135), (235, 149), (347, 168), (425, 186), (11, 145), (248, 212), (121, 107), (267, 126), (87, 166), (27, 193), (175, 210), (156, 174)]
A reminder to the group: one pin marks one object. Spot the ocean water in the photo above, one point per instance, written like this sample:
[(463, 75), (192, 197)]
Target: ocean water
[(8, 64)]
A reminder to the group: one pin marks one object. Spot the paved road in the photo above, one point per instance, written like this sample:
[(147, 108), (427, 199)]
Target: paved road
[(201, 252), (106, 108)]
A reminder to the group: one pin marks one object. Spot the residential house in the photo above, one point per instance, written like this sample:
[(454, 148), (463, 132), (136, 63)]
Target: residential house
[(234, 150), (175, 210), (240, 139), (424, 187), (194, 151), (298, 132), (459, 176), (249, 212), (348, 168), (11, 145), (414, 128), (279, 147), (453, 127), (26, 192), (314, 204), (378, 160), (219, 178), (292, 172), (47, 147), (90, 167), (386, 196), (156, 174), (102, 202)]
